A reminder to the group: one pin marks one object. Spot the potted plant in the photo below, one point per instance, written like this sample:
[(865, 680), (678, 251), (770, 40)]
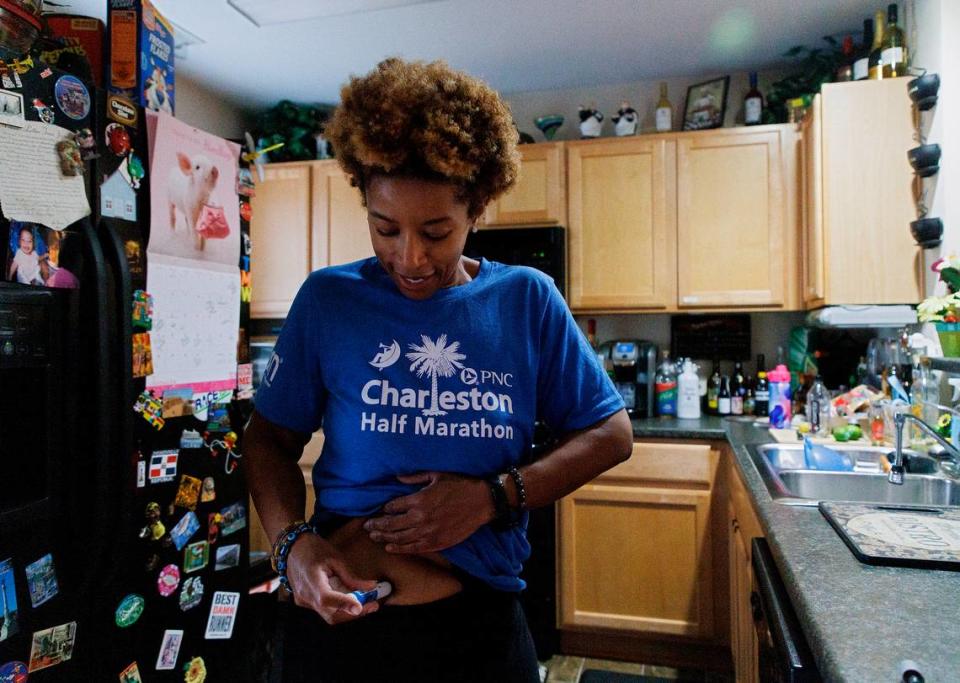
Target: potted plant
[(944, 311)]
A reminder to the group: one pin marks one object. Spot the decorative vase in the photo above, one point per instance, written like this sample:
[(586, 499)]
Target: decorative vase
[(949, 334)]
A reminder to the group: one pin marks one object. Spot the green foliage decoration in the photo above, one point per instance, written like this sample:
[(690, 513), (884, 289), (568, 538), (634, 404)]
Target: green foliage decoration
[(295, 125), (812, 67)]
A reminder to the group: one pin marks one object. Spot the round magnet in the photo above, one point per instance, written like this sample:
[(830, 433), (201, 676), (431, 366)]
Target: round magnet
[(168, 580), (13, 672), (245, 211), (195, 671), (72, 97), (128, 611), (117, 139)]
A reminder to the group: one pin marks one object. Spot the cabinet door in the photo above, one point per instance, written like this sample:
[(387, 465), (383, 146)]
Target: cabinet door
[(731, 219), (279, 239), (812, 203), (538, 196), (341, 232), (743, 636), (622, 219)]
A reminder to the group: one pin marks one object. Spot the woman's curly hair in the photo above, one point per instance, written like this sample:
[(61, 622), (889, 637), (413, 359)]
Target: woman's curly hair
[(429, 121)]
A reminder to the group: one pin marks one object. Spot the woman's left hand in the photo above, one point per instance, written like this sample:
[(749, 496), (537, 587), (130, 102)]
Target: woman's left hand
[(443, 513)]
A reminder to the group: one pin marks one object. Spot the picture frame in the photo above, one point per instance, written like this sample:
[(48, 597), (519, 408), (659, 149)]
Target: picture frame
[(706, 104)]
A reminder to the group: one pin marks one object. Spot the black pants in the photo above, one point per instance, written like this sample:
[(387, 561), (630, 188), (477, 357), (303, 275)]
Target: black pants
[(479, 634)]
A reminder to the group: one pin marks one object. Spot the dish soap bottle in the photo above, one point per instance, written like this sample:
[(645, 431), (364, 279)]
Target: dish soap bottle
[(688, 403), (666, 387)]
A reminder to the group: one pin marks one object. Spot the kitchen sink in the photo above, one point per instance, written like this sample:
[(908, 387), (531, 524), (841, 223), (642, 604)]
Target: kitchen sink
[(789, 480)]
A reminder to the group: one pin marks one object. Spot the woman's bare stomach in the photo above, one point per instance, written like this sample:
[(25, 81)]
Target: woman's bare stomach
[(416, 579)]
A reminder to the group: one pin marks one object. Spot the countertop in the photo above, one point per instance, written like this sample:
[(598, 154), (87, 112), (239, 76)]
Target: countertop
[(860, 620)]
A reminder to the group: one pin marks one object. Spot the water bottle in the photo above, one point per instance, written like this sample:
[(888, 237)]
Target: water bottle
[(688, 402), (779, 379), (818, 407), (666, 387)]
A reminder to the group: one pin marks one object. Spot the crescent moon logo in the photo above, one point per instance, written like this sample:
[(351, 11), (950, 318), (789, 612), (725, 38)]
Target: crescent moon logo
[(387, 356)]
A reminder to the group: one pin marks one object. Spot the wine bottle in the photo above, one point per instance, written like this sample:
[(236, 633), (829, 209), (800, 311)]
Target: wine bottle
[(861, 64), (894, 55), (845, 70), (875, 64), (723, 398), (753, 103), (664, 115), (737, 389), (713, 390), (762, 391)]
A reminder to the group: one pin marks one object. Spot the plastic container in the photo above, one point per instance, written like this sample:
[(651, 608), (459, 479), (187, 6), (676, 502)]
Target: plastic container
[(779, 379), (688, 385)]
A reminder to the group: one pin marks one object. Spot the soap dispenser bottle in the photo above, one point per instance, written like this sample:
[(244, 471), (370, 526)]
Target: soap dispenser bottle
[(688, 385)]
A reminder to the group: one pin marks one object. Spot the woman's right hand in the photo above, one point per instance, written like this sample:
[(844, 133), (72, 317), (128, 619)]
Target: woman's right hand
[(322, 582)]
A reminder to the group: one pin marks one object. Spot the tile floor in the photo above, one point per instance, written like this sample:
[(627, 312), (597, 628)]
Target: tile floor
[(566, 669)]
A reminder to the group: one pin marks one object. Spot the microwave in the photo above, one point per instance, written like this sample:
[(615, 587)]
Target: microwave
[(540, 248)]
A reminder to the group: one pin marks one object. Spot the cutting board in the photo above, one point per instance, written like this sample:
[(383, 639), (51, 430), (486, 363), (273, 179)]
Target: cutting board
[(790, 436), (906, 536)]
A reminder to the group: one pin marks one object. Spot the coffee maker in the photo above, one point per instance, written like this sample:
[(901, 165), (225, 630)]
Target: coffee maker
[(634, 363)]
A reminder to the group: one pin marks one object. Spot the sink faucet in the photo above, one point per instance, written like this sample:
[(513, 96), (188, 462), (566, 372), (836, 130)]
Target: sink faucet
[(899, 421)]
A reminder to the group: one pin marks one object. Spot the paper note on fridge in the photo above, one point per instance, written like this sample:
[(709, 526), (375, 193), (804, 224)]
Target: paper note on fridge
[(32, 187)]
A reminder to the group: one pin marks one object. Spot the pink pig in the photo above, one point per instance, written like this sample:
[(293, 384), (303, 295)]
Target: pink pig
[(188, 188)]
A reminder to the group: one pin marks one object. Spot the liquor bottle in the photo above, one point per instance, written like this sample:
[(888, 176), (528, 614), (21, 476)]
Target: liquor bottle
[(894, 55), (861, 65), (875, 64), (713, 390), (664, 115), (761, 388), (750, 401), (845, 70), (737, 390), (723, 398), (753, 103), (666, 387)]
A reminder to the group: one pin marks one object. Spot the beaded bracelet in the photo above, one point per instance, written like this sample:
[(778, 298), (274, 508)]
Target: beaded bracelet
[(283, 550), (521, 491), (502, 519), (279, 537)]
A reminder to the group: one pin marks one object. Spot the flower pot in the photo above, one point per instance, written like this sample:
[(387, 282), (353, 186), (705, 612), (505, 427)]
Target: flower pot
[(949, 334)]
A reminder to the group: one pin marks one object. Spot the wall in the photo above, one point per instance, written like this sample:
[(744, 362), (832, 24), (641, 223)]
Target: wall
[(204, 109)]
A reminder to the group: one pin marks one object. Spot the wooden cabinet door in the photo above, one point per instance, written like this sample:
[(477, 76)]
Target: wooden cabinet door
[(341, 231), (538, 197), (731, 219), (814, 285), (743, 634), (622, 220), (280, 239)]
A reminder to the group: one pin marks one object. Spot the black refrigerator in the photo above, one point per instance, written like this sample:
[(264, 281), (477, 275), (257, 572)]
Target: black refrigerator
[(124, 550)]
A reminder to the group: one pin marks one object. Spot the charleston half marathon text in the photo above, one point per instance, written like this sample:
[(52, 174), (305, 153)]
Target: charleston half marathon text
[(430, 426)]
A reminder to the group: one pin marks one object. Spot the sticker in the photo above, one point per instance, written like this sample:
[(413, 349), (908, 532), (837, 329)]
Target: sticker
[(121, 110), (131, 674), (41, 580), (52, 646), (129, 610), (245, 211), (234, 518), (141, 474), (188, 492), (191, 594), (228, 556), (117, 139), (45, 114), (46, 73), (72, 97), (190, 438), (13, 672), (142, 311), (168, 580), (142, 356), (118, 200), (218, 420), (8, 600), (245, 381), (169, 650), (163, 466), (195, 671), (214, 520), (208, 491), (11, 109), (196, 556), (178, 402), (185, 528), (223, 614)]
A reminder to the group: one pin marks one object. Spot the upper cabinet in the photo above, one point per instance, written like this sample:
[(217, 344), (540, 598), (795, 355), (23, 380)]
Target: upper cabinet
[(341, 233), (537, 198), (858, 200), (622, 223), (736, 199)]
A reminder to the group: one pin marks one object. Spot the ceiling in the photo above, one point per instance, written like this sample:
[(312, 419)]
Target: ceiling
[(516, 45)]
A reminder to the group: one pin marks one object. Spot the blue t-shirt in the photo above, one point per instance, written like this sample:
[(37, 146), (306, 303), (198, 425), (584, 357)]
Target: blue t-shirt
[(453, 383)]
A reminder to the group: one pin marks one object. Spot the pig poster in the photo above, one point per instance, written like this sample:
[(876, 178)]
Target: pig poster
[(194, 212)]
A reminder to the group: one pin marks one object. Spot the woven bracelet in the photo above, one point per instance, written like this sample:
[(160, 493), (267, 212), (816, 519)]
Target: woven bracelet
[(521, 491)]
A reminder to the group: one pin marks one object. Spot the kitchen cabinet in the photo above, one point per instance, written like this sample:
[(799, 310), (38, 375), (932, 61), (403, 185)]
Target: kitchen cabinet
[(622, 223), (858, 196), (636, 545), (538, 197), (305, 216), (736, 215)]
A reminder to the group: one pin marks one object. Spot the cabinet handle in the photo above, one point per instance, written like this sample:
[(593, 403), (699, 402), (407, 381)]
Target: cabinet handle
[(735, 524)]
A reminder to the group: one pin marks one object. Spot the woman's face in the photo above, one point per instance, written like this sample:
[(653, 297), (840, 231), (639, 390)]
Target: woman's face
[(418, 229)]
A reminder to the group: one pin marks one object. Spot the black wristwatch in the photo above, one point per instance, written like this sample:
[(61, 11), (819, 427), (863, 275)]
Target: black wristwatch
[(503, 516)]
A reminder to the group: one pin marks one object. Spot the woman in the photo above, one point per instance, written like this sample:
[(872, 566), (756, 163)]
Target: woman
[(427, 370)]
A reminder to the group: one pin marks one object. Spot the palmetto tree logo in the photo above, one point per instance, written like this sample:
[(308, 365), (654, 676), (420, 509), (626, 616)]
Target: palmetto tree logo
[(437, 360)]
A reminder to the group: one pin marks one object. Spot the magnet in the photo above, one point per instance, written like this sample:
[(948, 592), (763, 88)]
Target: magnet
[(169, 650), (152, 563), (223, 615), (214, 520), (141, 474), (168, 580), (9, 77), (72, 97), (8, 591), (121, 110), (129, 610), (142, 315), (131, 674), (143, 357), (245, 211), (88, 145), (43, 111), (184, 529), (245, 243), (195, 671), (135, 170), (190, 438), (71, 164), (234, 518), (41, 580), (46, 73), (178, 402), (13, 672), (191, 594), (188, 492), (22, 66), (52, 646), (208, 491), (150, 408), (227, 557), (245, 186), (163, 466), (118, 139), (196, 556)]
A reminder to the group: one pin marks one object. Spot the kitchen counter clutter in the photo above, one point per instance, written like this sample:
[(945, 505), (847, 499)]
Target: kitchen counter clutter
[(860, 621)]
